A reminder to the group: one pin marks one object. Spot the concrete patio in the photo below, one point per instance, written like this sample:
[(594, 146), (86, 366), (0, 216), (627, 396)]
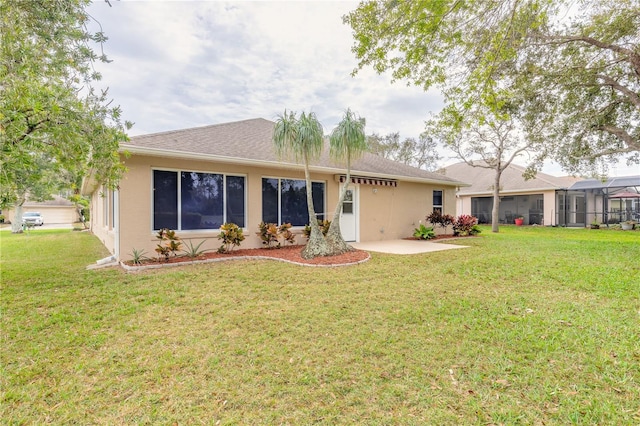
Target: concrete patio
[(404, 246)]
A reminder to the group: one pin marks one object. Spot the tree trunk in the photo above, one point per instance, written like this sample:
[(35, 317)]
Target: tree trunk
[(316, 246), (16, 223), (495, 212)]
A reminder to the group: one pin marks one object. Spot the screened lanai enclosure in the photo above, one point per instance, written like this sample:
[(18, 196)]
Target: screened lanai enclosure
[(591, 200), (530, 207)]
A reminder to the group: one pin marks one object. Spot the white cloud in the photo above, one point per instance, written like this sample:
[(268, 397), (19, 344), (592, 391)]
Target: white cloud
[(182, 64)]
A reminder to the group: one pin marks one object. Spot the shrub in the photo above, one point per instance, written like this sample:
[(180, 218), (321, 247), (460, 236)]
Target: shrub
[(424, 232), (324, 227), (284, 231), (268, 233), (231, 236), (464, 225), (442, 220), (193, 251), (137, 256), (169, 243)]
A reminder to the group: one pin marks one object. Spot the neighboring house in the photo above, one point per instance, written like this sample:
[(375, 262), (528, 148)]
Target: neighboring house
[(612, 201), (537, 200), (59, 210), (194, 180)]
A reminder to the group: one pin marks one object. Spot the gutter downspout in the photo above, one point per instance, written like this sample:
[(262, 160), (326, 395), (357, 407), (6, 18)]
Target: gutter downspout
[(116, 228)]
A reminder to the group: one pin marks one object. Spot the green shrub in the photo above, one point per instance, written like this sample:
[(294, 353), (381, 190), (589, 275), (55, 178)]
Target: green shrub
[(193, 251), (424, 232), (137, 256)]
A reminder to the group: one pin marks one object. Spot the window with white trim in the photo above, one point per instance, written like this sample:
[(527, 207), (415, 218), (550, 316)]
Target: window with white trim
[(285, 201), (438, 197), (187, 200)]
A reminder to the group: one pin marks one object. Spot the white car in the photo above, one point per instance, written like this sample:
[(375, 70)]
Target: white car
[(32, 219)]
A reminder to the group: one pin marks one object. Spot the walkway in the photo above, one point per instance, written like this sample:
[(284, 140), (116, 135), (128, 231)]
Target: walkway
[(404, 246)]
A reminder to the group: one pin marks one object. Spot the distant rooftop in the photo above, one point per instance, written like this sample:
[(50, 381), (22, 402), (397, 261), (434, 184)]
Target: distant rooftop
[(614, 182), (482, 179)]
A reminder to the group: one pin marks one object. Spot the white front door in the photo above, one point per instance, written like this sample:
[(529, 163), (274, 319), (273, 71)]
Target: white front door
[(349, 214)]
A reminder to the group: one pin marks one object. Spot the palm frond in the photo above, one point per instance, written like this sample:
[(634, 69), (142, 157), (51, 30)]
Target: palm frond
[(285, 134), (348, 140), (311, 135)]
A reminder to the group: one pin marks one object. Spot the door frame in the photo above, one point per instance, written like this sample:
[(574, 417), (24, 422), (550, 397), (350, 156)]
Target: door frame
[(356, 212)]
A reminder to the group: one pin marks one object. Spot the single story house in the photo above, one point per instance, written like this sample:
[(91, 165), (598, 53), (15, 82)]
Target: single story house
[(194, 180), (538, 200), (58, 210)]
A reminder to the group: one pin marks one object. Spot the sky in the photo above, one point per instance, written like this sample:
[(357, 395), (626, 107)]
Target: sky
[(182, 64)]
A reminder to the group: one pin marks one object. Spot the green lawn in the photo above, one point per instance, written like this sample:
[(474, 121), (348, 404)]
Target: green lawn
[(530, 326)]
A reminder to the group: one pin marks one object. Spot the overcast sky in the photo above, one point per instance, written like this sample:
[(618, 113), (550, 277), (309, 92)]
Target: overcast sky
[(181, 64)]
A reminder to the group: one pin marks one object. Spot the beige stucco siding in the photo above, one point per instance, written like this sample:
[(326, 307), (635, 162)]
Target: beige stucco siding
[(388, 213), (100, 224), (385, 213), (136, 200)]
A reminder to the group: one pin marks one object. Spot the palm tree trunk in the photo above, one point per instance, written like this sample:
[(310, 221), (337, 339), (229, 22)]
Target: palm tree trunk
[(335, 240), (316, 246)]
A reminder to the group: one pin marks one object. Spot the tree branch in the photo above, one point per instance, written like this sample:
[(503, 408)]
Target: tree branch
[(634, 58), (632, 144), (631, 95)]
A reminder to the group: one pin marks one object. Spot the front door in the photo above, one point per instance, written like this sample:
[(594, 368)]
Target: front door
[(348, 217)]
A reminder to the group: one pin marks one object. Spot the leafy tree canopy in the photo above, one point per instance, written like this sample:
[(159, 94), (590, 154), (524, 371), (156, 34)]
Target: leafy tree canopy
[(421, 153), (573, 65), (54, 125)]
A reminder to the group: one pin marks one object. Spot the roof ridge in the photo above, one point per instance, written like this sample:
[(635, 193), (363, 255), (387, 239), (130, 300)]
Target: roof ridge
[(207, 126)]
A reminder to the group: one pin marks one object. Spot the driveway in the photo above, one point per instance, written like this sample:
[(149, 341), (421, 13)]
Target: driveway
[(404, 246), (7, 227)]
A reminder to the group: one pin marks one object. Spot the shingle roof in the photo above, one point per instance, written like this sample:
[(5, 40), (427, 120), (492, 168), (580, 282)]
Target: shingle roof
[(482, 179), (55, 201), (250, 142)]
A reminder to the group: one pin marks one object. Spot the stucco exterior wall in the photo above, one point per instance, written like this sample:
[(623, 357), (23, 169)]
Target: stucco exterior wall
[(101, 220), (388, 213), (383, 212)]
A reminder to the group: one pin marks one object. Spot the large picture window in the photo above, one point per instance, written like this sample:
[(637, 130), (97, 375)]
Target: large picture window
[(188, 200), (285, 201)]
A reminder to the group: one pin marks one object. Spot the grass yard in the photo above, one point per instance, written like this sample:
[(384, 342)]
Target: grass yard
[(530, 326)]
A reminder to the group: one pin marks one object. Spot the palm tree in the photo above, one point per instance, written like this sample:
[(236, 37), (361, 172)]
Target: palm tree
[(304, 139), (348, 142)]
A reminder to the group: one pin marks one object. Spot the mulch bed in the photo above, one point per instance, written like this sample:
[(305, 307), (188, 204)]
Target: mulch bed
[(286, 253)]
